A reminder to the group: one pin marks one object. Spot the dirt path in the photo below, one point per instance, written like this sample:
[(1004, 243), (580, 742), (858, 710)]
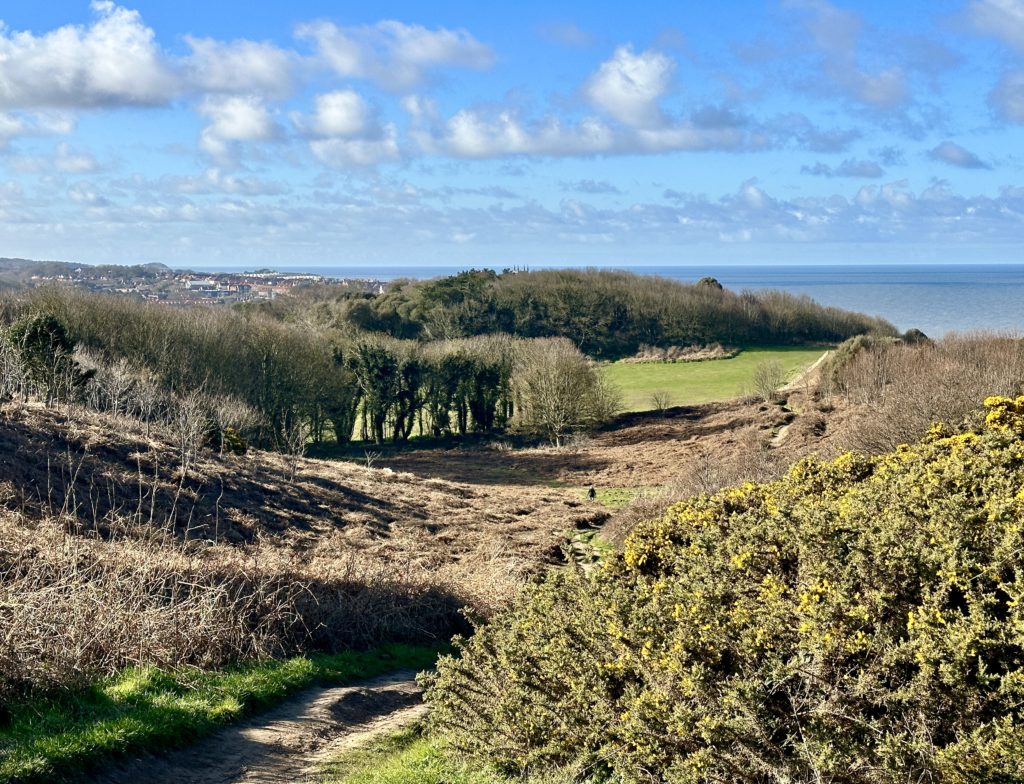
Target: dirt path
[(288, 743), (806, 374)]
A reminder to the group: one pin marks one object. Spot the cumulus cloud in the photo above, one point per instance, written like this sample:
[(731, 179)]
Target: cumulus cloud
[(84, 194), (112, 62), (836, 32), (393, 54), (18, 124), (345, 131), (628, 86), (234, 119), (340, 113), (489, 132), (955, 155), (475, 134), (848, 168), (239, 67), (344, 153), (1002, 19)]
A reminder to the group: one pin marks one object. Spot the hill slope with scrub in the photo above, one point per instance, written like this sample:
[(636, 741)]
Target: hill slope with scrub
[(858, 620)]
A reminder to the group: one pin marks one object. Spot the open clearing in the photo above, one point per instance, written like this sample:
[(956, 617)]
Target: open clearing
[(690, 383)]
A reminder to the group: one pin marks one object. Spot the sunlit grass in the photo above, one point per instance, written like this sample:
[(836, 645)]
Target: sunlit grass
[(148, 708), (688, 383)]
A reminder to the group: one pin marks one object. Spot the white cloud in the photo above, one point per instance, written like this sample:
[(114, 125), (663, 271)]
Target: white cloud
[(340, 113), (71, 161), (235, 119), (113, 61), (851, 167), (955, 155), (239, 67), (17, 124), (216, 181), (84, 194), (344, 131), (343, 153), (480, 133), (393, 54), (628, 86), (11, 126), (473, 134), (1002, 19)]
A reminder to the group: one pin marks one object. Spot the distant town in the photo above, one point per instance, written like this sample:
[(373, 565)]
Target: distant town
[(159, 283)]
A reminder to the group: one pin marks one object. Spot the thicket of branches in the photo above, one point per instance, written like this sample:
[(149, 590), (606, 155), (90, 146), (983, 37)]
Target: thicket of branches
[(228, 378), (606, 314), (899, 389)]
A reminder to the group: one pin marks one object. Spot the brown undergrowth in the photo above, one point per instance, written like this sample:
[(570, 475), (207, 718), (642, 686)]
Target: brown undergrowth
[(111, 555)]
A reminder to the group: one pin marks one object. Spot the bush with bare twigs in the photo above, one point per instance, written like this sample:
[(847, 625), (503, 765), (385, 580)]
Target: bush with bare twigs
[(899, 389), (74, 607), (769, 377)]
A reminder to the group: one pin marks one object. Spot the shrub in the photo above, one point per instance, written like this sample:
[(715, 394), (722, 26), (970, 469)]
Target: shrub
[(769, 376), (558, 391), (900, 389), (858, 620)]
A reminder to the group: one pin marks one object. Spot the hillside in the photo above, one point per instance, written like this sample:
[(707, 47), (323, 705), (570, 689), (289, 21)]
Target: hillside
[(94, 469), (857, 620)]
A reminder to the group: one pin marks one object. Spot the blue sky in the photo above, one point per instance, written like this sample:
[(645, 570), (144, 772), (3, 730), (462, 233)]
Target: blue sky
[(317, 133)]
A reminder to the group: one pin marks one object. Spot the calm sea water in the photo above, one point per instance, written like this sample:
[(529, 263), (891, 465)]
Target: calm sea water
[(933, 298)]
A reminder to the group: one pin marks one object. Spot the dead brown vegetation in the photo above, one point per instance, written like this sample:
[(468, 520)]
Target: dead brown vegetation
[(113, 554), (896, 390)]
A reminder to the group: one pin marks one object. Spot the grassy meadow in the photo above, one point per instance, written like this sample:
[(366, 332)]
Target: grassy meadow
[(688, 383)]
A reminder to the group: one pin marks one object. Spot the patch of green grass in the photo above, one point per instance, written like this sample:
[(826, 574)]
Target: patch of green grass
[(147, 709), (405, 757), (410, 757), (688, 383), (611, 497)]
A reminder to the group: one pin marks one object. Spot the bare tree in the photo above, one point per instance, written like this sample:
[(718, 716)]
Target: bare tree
[(560, 391), (189, 423), (769, 377), (661, 400), (12, 372), (296, 436)]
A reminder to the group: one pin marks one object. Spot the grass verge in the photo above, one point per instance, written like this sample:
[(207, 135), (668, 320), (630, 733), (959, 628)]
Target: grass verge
[(688, 383), (404, 757), (51, 737)]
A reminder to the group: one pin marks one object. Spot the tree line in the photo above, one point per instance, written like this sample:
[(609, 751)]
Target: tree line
[(607, 314), (281, 384)]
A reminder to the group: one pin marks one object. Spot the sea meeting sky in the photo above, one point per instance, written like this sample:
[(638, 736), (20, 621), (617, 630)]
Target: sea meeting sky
[(496, 133)]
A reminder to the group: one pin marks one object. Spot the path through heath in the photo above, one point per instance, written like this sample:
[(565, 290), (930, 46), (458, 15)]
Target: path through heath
[(288, 743)]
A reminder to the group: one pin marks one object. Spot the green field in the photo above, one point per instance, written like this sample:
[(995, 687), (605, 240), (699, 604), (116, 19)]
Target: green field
[(700, 382)]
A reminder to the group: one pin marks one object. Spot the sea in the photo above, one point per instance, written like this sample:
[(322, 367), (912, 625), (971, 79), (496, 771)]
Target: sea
[(934, 298)]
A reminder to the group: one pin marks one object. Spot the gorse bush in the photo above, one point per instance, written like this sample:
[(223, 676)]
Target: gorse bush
[(858, 620)]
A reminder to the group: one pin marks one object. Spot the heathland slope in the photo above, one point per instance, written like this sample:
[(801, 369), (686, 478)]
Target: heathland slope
[(857, 620)]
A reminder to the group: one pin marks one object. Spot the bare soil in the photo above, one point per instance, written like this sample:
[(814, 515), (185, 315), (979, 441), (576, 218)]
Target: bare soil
[(289, 743)]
